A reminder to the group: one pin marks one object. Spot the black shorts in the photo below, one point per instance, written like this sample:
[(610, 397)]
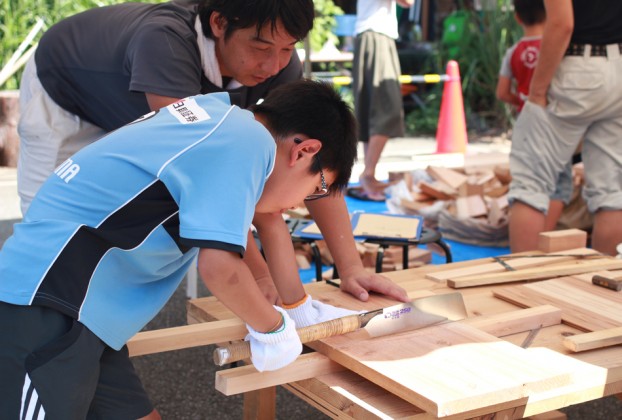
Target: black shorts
[(52, 363)]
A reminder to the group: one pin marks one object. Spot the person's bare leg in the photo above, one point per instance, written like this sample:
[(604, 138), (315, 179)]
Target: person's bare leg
[(556, 207), (154, 415), (524, 226), (372, 150), (607, 232)]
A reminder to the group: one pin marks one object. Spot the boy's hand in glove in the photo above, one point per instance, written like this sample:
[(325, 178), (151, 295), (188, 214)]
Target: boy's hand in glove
[(274, 350), (309, 312)]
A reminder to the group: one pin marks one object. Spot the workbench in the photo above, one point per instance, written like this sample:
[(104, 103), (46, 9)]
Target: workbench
[(341, 393)]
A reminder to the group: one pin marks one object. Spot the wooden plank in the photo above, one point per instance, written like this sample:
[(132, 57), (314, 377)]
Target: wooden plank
[(594, 340), (259, 405), (525, 261), (508, 323), (446, 369), (583, 305), (247, 378), (561, 240), (186, 336), (569, 268), (350, 396)]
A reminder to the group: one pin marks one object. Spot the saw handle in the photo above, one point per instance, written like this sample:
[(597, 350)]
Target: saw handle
[(241, 350)]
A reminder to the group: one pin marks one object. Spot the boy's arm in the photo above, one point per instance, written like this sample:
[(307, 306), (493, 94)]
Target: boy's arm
[(229, 279), (259, 269), (331, 215), (555, 39), (504, 91)]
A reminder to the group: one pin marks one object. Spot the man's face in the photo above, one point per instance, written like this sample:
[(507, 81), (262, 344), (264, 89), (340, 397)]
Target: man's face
[(248, 57)]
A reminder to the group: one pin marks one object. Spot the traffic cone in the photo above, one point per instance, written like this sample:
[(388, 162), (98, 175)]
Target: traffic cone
[(451, 135)]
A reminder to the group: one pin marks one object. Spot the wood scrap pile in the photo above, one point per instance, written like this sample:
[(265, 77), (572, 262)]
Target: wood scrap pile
[(392, 258), (475, 205)]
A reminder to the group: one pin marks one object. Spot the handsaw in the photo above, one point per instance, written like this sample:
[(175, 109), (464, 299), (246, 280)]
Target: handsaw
[(419, 313)]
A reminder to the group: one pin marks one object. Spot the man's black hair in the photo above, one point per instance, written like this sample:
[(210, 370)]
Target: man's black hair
[(295, 15), (530, 12), (314, 109)]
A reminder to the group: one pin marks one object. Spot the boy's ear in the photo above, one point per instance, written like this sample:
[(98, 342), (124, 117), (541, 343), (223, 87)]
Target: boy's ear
[(305, 149)]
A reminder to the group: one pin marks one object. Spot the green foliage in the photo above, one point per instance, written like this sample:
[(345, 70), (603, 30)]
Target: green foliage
[(18, 17), (490, 33), (325, 12)]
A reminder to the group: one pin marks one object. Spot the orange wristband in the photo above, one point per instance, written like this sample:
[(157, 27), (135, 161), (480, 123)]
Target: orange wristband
[(295, 304)]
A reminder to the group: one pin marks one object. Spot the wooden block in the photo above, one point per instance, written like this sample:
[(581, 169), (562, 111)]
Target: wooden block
[(469, 189), (415, 206), (594, 340), (437, 189), (471, 206), (561, 240), (449, 176), (497, 213), (497, 191)]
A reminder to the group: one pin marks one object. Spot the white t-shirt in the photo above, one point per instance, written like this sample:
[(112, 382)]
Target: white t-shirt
[(378, 16)]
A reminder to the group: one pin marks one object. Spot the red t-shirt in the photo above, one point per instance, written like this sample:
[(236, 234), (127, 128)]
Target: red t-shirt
[(523, 63)]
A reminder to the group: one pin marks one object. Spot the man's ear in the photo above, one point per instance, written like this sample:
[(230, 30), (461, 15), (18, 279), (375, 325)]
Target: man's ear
[(218, 23), (304, 150)]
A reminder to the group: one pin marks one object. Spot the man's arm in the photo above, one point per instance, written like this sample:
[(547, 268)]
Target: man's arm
[(259, 269), (157, 101), (278, 248), (331, 215), (555, 39)]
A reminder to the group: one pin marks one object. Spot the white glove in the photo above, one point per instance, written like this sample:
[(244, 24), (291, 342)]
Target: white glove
[(310, 312), (274, 350)]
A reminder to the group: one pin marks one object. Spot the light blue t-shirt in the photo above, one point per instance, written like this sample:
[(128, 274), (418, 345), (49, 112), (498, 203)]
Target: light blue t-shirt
[(112, 232)]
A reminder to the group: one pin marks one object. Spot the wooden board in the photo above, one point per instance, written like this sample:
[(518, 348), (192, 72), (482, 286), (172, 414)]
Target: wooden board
[(516, 263), (446, 369), (584, 305)]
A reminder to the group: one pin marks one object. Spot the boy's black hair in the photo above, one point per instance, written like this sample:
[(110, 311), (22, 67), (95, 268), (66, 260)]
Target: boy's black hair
[(530, 12), (315, 109), (295, 15)]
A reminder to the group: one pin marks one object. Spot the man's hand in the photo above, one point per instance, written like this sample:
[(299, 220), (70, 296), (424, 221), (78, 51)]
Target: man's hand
[(359, 283)]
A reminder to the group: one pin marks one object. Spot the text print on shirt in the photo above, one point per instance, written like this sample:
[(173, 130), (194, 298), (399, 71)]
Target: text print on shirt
[(67, 170)]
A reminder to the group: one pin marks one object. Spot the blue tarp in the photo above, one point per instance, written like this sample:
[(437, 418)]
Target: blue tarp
[(459, 251)]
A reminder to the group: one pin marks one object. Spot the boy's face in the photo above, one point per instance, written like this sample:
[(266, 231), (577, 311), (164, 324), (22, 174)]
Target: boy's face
[(291, 181), (248, 57)]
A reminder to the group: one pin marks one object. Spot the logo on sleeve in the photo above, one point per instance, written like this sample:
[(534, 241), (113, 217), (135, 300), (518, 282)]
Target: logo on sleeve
[(67, 170), (188, 111)]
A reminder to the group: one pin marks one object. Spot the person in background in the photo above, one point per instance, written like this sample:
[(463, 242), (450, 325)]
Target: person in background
[(574, 96), (98, 70), (111, 233), (377, 90), (515, 75)]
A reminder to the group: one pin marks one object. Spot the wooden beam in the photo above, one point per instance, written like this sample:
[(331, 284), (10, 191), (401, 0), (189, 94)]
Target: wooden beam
[(542, 273), (247, 378), (594, 340), (186, 336), (516, 262)]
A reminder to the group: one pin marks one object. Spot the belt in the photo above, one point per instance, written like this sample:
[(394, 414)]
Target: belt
[(595, 50)]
